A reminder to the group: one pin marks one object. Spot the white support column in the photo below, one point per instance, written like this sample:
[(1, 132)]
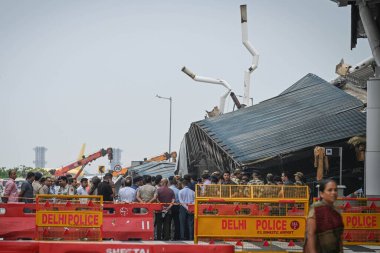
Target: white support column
[(371, 31), (372, 161)]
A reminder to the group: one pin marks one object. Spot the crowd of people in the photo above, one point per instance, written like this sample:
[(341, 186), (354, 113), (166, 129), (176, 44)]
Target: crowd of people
[(240, 178), (173, 222)]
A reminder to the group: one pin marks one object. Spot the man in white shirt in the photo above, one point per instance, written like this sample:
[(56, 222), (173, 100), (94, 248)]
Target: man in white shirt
[(186, 196), (127, 193), (82, 190)]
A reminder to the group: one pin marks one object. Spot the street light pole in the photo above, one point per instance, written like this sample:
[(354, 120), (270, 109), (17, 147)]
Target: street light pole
[(170, 121)]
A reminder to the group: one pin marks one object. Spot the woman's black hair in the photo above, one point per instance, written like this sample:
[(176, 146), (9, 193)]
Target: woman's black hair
[(324, 182)]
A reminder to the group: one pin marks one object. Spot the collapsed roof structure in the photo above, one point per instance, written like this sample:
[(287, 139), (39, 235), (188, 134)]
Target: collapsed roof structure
[(353, 79), (152, 168), (270, 134)]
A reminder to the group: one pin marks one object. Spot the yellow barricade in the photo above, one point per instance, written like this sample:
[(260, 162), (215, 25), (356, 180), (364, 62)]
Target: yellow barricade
[(234, 192), (71, 217), (68, 219), (361, 218), (251, 227), (250, 212)]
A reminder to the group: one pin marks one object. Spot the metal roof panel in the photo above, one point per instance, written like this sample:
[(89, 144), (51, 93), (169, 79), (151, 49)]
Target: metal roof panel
[(310, 112)]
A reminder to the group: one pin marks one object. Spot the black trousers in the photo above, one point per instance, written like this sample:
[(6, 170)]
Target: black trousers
[(187, 224), (163, 223), (175, 218)]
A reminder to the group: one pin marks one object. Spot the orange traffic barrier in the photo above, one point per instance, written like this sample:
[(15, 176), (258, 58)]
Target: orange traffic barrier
[(17, 221), (121, 221)]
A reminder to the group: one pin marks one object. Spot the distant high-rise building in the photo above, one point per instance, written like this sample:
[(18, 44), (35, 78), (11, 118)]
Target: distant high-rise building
[(116, 158), (39, 157)]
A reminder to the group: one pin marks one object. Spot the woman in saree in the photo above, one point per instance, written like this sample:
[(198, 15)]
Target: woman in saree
[(324, 223)]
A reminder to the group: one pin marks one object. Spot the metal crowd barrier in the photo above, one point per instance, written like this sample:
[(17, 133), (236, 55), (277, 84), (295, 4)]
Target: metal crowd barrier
[(250, 213), (361, 218)]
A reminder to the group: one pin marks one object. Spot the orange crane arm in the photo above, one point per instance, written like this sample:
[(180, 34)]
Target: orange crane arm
[(83, 162), (163, 157)]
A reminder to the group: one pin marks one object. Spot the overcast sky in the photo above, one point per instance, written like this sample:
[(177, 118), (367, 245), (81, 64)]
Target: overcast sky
[(88, 71)]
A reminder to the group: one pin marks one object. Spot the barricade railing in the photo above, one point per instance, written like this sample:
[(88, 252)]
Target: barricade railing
[(361, 218), (121, 221), (69, 217), (245, 192), (250, 213)]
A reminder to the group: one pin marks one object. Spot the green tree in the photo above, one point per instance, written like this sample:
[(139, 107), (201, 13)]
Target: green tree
[(22, 170), (3, 172)]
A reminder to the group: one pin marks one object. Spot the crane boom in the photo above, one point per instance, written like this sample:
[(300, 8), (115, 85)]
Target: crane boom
[(83, 162)]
